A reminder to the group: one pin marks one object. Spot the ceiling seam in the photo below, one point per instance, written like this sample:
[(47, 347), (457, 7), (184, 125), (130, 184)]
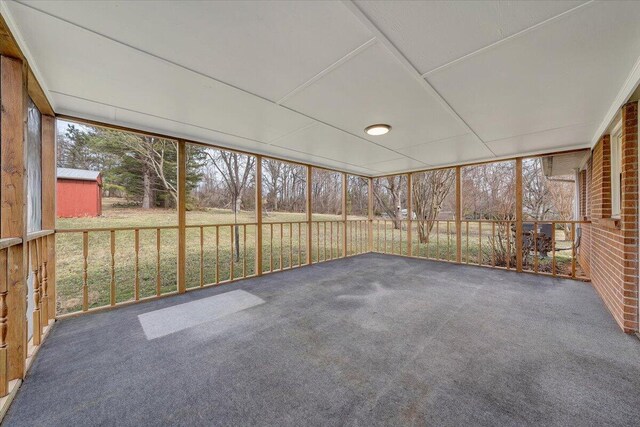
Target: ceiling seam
[(202, 75), (400, 57), (327, 70), (508, 38)]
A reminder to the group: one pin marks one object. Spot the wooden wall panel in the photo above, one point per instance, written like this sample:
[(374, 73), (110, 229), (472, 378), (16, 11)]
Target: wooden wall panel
[(13, 206)]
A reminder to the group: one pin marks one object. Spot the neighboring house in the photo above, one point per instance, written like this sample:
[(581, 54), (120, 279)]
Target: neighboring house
[(79, 193)]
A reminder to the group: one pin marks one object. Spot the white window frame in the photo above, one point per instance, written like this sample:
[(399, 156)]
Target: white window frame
[(616, 170)]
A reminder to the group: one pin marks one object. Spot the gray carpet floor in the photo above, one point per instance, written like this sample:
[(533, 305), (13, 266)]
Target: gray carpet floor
[(370, 340)]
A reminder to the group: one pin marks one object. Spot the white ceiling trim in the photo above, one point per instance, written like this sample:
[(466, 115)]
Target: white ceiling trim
[(25, 51), (536, 153), (406, 63), (630, 85), (508, 38)]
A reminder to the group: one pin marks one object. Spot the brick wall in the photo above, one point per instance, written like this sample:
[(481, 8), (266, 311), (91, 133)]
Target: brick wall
[(609, 248)]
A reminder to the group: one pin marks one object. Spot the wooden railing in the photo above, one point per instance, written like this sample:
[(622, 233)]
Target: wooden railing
[(548, 247), (107, 267)]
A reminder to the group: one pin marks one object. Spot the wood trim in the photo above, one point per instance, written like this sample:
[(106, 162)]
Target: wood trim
[(9, 47), (48, 172), (258, 179), (309, 215), (370, 212), (519, 239), (182, 216), (13, 207), (409, 213), (345, 182), (458, 216)]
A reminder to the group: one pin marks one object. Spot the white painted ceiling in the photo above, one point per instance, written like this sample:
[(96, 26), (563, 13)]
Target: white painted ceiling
[(458, 81)]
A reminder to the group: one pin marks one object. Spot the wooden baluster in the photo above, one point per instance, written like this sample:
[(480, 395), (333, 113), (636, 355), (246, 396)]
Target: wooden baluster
[(467, 241), (244, 250), (270, 247), (331, 238), (4, 312), (233, 254), (158, 274), (318, 241), (324, 236), (290, 245), (437, 239), (281, 243), (85, 268), (400, 232), (448, 241), (573, 250), (378, 232), (479, 242), (508, 234), (350, 225), (37, 331), (112, 290), (553, 248), (299, 244), (385, 235), (393, 237), (217, 254), (45, 283), (136, 262), (493, 244), (201, 256), (535, 246)]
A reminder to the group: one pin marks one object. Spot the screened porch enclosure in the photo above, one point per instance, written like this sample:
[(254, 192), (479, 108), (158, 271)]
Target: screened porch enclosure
[(328, 212)]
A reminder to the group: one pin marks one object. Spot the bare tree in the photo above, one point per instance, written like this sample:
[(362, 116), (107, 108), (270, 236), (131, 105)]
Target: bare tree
[(388, 193), (430, 189)]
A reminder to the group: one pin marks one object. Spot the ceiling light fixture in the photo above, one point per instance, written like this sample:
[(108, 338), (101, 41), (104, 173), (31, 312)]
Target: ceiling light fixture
[(376, 130)]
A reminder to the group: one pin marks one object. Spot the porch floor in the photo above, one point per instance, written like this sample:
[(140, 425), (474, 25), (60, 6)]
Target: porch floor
[(373, 339)]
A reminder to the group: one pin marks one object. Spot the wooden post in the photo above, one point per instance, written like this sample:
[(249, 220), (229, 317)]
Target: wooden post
[(182, 216), (49, 208), (458, 214), (370, 213), (518, 214), (258, 179), (309, 217), (13, 207), (409, 214), (344, 214)]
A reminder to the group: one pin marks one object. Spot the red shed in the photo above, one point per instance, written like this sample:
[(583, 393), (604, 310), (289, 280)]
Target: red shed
[(79, 193)]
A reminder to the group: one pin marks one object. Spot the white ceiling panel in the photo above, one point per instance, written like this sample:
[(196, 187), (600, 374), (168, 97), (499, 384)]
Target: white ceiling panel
[(266, 48), (373, 87), (567, 137), (115, 75), (459, 149), (563, 73), (433, 33), (325, 141), (397, 166), (301, 80)]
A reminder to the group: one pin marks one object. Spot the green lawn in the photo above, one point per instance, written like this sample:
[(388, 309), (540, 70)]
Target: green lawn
[(476, 244), (210, 255), (209, 250)]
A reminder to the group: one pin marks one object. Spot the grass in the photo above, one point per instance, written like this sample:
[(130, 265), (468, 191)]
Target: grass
[(476, 244), (209, 255), (210, 258)]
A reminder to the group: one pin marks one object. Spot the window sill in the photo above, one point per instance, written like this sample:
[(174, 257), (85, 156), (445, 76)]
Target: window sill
[(610, 223)]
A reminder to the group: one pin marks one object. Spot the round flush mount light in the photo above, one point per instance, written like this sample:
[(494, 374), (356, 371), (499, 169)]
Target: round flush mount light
[(376, 130)]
